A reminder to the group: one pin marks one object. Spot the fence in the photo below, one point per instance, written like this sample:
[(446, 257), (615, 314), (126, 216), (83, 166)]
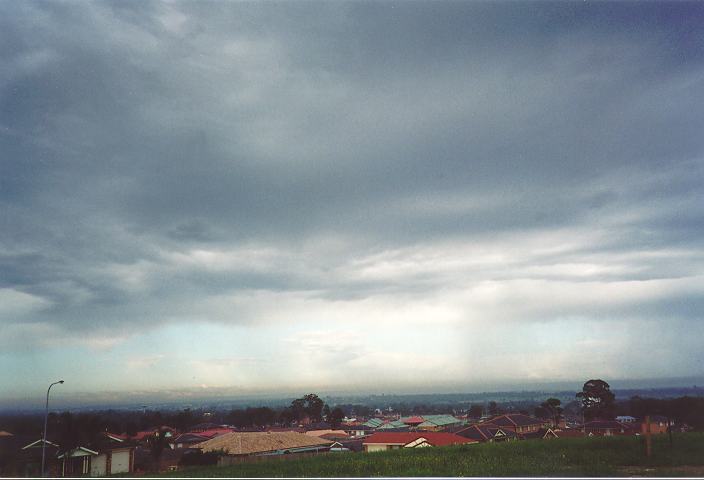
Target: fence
[(227, 460)]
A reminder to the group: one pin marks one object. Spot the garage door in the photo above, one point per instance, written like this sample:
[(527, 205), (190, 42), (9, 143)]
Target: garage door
[(120, 462)]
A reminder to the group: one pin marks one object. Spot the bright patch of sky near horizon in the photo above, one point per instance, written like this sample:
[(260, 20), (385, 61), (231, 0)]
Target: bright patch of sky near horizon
[(375, 195)]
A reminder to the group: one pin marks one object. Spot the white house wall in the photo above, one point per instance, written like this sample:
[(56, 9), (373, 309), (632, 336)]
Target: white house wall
[(98, 465), (376, 448)]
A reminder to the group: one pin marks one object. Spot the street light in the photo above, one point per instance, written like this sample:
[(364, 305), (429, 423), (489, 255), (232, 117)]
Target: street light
[(46, 419)]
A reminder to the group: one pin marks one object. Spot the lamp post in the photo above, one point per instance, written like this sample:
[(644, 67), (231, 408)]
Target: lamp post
[(46, 419)]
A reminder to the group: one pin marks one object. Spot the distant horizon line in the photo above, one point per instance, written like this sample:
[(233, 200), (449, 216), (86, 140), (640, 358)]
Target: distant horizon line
[(196, 395)]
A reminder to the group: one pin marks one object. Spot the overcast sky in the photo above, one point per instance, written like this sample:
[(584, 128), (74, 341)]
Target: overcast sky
[(372, 196)]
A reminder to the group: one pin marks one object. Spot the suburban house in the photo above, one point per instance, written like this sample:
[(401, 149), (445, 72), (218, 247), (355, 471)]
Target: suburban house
[(658, 424), (544, 433), (236, 445), (606, 428), (394, 426), (21, 455), (108, 455), (358, 430), (517, 422), (351, 444), (435, 423), (186, 440), (374, 422), (487, 432), (105, 456), (413, 421), (115, 455), (626, 419), (381, 441), (76, 462), (143, 436)]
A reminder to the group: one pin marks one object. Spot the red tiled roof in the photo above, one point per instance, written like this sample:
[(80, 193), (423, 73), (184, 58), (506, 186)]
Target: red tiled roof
[(214, 432), (411, 420), (515, 420), (139, 436), (437, 439), (484, 432), (542, 433)]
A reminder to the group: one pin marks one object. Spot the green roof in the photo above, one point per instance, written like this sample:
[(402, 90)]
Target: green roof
[(394, 424), (374, 422), (429, 421), (439, 420)]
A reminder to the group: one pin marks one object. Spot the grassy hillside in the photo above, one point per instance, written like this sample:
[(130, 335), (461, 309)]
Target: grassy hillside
[(614, 456)]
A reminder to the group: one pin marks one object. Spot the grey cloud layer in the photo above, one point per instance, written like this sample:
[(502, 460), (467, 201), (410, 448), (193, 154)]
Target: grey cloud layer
[(295, 142)]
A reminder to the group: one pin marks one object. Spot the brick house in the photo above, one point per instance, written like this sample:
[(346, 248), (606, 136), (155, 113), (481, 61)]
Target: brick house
[(517, 422)]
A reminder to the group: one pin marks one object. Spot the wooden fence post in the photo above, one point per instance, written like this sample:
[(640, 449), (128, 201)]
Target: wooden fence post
[(648, 438)]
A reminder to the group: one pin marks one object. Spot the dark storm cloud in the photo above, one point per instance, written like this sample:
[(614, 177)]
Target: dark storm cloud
[(132, 133)]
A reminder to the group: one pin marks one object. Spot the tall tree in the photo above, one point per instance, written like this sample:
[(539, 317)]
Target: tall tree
[(310, 405), (298, 408), (335, 417), (314, 407), (184, 420), (476, 411), (493, 408), (286, 416), (598, 401), (552, 405)]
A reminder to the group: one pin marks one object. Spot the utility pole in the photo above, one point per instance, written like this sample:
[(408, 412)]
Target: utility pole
[(46, 419)]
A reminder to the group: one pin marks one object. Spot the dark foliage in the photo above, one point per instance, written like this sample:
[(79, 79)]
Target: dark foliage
[(310, 406), (198, 458), (335, 418), (252, 417), (683, 410), (598, 401), (550, 408), (476, 411)]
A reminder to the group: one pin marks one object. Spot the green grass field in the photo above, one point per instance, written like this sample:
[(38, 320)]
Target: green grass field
[(606, 456)]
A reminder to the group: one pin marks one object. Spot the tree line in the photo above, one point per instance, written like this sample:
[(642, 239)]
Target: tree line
[(594, 401), (598, 402)]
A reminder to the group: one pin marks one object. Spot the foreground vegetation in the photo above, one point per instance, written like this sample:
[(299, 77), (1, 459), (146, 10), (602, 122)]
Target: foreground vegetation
[(603, 456)]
